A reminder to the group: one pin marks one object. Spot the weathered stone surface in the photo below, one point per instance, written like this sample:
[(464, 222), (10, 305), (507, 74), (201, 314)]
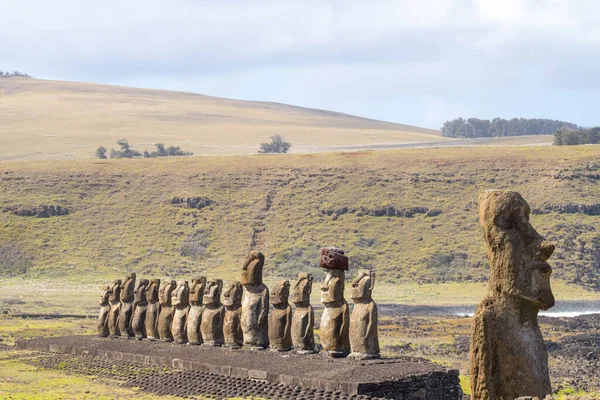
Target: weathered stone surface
[(165, 317), (152, 310), (140, 304), (508, 359), (126, 310), (196, 308), (232, 327), (181, 304), (335, 321), (333, 258), (303, 319), (114, 298), (212, 316), (364, 338), (255, 303), (280, 320), (104, 312)]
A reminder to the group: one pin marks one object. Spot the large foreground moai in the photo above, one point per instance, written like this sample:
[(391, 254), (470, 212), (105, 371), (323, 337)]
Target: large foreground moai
[(280, 320), (196, 308), (165, 316), (181, 304), (232, 328), (140, 306), (152, 310), (114, 299), (212, 317), (255, 303), (508, 358), (334, 330), (364, 339), (303, 320), (104, 312), (126, 310)]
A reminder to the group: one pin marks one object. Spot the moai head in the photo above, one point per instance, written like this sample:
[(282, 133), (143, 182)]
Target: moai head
[(252, 270), (180, 296), (139, 294), (362, 286), (104, 296), (518, 253), (197, 290), (332, 290), (152, 290), (165, 293), (232, 296), (281, 293), (128, 287), (115, 291), (212, 293), (302, 289)]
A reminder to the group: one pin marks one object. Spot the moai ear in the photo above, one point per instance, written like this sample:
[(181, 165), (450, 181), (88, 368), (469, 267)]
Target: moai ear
[(372, 273), (220, 285), (309, 278)]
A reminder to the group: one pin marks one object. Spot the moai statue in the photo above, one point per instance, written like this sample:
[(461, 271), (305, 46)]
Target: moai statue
[(152, 310), (214, 312), (104, 312), (181, 304), (508, 359), (334, 330), (194, 317), (126, 311), (140, 303), (303, 320), (114, 298), (255, 303), (280, 320), (232, 328), (364, 339), (165, 317)]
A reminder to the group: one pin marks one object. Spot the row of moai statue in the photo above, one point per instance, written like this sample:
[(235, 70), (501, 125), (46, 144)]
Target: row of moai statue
[(193, 312)]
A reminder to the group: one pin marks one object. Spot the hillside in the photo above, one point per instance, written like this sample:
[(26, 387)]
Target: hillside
[(410, 214), (42, 119)]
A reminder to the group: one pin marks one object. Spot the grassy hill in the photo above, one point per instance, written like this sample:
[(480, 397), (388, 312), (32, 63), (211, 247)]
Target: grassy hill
[(410, 214), (42, 119)]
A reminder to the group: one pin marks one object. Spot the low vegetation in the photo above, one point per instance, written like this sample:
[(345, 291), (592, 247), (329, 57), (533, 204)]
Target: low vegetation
[(168, 152), (14, 74), (126, 151), (13, 260), (497, 127), (572, 137)]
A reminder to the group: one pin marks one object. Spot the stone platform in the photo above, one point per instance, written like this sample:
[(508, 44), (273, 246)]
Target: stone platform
[(393, 378)]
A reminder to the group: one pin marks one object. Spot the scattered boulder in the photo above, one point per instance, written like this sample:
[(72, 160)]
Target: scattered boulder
[(198, 202), (587, 209), (42, 211)]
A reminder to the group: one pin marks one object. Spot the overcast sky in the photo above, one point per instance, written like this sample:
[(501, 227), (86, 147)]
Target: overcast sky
[(416, 62)]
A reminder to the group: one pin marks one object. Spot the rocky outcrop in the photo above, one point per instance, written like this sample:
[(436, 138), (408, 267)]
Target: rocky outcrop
[(41, 211), (587, 209), (198, 202), (384, 211)]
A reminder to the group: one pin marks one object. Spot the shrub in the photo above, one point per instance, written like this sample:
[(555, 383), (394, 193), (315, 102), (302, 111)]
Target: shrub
[(168, 152), (101, 152), (195, 244), (277, 145), (13, 260)]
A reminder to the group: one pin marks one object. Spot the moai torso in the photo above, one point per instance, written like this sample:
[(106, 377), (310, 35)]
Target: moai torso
[(181, 304), (165, 317), (255, 303), (114, 298), (364, 339), (140, 304), (232, 328), (194, 317), (303, 320), (104, 312), (152, 310), (126, 311), (212, 316), (280, 319), (508, 358)]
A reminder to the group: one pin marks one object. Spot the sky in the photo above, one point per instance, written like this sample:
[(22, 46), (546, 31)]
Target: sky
[(418, 62)]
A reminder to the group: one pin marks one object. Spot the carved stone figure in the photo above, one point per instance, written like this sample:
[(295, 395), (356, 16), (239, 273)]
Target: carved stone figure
[(364, 338), (114, 298), (152, 310), (126, 311), (508, 359), (232, 328), (165, 317), (181, 304), (303, 320), (214, 312), (255, 303), (194, 317), (334, 330), (280, 320), (140, 304), (104, 312)]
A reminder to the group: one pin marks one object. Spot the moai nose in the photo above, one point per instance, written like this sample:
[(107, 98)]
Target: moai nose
[(546, 249)]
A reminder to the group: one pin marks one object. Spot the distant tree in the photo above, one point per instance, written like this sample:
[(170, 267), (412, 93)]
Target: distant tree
[(573, 137), (168, 152), (101, 152), (476, 128), (277, 145), (125, 152), (160, 150)]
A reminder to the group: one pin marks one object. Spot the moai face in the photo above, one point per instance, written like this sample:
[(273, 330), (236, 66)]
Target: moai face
[(139, 294), (518, 253), (212, 293), (332, 290), (252, 270), (232, 296), (104, 296), (302, 289), (127, 288), (180, 296), (115, 291), (281, 293), (362, 286), (152, 290), (165, 293), (197, 290)]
